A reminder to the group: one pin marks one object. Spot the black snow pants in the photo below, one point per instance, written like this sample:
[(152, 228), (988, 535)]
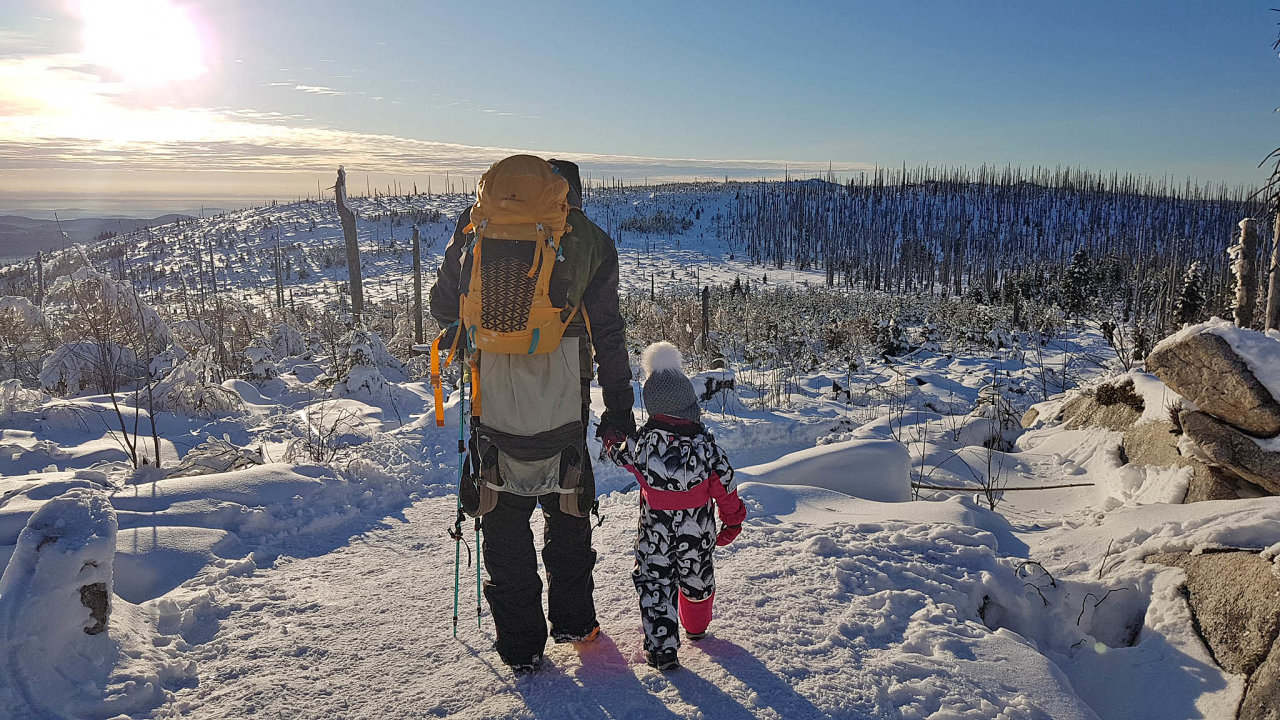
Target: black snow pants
[(514, 590)]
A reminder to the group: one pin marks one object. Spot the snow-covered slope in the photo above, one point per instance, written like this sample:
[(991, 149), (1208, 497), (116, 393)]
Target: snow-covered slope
[(299, 565)]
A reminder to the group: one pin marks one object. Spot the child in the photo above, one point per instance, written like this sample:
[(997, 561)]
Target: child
[(681, 473)]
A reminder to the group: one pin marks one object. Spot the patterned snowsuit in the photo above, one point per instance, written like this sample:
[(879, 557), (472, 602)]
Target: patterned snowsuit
[(683, 474)]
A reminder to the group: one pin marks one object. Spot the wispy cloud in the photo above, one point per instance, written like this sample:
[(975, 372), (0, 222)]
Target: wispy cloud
[(323, 90), (18, 44), (59, 118), (318, 90)]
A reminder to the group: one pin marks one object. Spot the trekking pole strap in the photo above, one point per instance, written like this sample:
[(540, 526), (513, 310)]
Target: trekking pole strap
[(437, 382)]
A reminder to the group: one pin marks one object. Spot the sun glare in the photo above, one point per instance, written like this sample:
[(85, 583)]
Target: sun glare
[(144, 42)]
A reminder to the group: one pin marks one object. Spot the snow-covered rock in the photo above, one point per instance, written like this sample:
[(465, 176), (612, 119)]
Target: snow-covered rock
[(1226, 371), (1225, 446), (55, 604)]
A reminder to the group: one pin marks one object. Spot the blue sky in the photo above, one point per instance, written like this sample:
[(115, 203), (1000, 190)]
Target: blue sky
[(240, 100)]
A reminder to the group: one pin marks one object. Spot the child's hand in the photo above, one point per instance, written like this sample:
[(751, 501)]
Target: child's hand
[(727, 534)]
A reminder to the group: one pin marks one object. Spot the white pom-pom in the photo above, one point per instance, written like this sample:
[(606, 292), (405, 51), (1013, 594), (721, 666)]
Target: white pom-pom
[(661, 356)]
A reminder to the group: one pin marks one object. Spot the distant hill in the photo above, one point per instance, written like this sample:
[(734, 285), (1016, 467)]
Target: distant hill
[(22, 237)]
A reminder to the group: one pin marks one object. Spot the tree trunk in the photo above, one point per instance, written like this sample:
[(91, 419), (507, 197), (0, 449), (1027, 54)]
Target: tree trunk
[(353, 249), (279, 276), (417, 287), (40, 279), (1246, 276), (1273, 289), (706, 315)]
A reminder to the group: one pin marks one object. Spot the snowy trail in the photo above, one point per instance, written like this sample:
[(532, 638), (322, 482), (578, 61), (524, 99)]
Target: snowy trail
[(364, 632), (834, 619)]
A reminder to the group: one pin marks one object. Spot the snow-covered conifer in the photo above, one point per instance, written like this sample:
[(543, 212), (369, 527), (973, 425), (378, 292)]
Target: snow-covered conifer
[(286, 341), (1076, 283), (1191, 300), (191, 388), (261, 361), (359, 369), (22, 338)]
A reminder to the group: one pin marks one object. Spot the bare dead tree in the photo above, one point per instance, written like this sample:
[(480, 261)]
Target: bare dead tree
[(1273, 287), (279, 275), (353, 248), (40, 279), (1242, 256), (417, 287)]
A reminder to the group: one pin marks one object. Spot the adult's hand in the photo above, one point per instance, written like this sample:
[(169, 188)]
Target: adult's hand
[(612, 438), (617, 412)]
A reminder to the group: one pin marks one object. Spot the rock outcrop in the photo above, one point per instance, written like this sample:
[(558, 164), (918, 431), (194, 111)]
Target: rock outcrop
[(1156, 443), (1227, 447), (1235, 600), (1204, 369), (1111, 406)]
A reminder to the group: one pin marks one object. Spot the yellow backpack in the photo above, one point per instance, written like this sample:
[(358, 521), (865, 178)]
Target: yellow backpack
[(520, 214), (506, 307)]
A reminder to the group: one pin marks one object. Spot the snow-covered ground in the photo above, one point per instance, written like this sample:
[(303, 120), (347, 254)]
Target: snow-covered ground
[(303, 590), (298, 565)]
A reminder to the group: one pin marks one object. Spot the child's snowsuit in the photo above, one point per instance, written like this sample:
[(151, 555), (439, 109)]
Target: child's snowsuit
[(682, 473)]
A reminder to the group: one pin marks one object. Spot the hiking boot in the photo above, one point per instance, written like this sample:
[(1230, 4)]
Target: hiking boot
[(526, 667), (586, 637), (663, 660)]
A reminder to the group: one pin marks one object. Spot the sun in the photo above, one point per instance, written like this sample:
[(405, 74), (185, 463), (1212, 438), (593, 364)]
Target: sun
[(144, 43)]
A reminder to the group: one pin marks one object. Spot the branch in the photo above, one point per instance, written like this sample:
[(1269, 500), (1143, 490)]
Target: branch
[(922, 486), (1097, 602)]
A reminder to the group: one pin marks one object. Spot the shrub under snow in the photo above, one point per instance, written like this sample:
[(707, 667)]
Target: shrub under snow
[(76, 367), (15, 398), (190, 389), (215, 456)]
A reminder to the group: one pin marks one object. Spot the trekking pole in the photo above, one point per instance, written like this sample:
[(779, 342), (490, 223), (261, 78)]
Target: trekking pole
[(457, 521), (457, 563), (475, 388)]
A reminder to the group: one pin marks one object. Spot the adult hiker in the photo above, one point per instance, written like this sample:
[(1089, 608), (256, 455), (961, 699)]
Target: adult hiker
[(529, 286)]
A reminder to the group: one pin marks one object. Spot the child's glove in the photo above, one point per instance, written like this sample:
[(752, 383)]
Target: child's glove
[(727, 534)]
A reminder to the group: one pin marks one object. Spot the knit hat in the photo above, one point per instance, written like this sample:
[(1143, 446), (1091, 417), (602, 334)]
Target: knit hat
[(666, 389)]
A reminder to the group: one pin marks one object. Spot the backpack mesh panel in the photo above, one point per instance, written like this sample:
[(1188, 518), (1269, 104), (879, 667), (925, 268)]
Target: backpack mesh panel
[(508, 294)]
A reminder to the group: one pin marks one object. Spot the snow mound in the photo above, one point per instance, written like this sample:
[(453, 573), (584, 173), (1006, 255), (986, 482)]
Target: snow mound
[(865, 468), (151, 561), (263, 485)]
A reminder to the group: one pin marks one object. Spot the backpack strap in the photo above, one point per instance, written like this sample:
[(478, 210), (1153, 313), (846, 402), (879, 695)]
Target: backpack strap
[(437, 384), (474, 285)]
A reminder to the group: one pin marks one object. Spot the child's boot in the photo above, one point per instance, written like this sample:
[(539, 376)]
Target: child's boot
[(696, 616), (663, 660)]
